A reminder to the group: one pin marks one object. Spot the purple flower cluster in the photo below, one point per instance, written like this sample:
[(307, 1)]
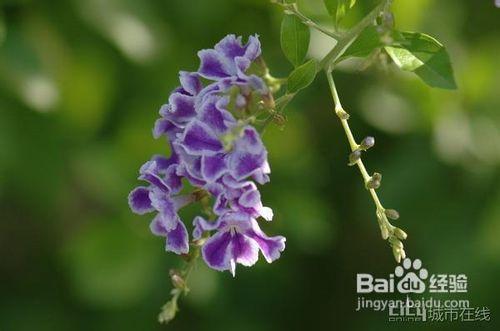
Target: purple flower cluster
[(215, 149)]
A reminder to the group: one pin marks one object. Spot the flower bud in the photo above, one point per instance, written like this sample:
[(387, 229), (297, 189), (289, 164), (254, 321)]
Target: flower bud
[(397, 253), (228, 141), (199, 242), (392, 214), (402, 253), (374, 181), (367, 143), (395, 242), (354, 157), (400, 233), (168, 312), (177, 279), (384, 232)]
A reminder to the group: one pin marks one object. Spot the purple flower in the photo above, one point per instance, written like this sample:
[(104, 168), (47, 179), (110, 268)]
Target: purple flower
[(238, 240), (216, 150), (239, 196), (161, 175), (229, 58)]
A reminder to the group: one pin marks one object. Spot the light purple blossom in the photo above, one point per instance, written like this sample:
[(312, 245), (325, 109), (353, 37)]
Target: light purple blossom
[(158, 196), (216, 149), (238, 240)]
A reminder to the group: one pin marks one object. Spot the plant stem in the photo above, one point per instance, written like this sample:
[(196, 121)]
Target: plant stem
[(387, 229), (292, 9), (350, 138)]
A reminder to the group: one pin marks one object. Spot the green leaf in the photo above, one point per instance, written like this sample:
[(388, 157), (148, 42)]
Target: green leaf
[(367, 41), (338, 8), (424, 56), (302, 76), (294, 39)]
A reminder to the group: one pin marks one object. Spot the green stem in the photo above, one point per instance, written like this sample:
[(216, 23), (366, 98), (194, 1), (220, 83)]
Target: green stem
[(169, 310), (191, 263), (291, 8), (350, 138), (387, 229)]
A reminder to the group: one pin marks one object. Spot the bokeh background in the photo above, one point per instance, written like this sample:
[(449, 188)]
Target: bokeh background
[(80, 86)]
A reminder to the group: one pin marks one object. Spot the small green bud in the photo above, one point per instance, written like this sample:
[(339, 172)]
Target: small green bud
[(402, 253), (400, 233), (177, 279), (392, 214), (199, 242), (354, 157), (227, 141), (397, 253), (374, 181), (367, 143), (395, 242), (384, 232), (168, 312)]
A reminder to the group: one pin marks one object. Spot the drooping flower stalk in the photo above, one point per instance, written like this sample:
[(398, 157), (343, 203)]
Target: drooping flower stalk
[(389, 232)]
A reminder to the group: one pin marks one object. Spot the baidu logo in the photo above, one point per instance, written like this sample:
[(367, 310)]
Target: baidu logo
[(409, 277), (412, 276)]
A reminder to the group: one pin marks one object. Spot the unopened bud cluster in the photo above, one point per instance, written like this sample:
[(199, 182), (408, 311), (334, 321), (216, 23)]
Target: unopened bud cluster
[(365, 144), (392, 234)]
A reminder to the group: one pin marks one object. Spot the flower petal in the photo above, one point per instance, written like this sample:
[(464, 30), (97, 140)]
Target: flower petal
[(163, 163), (250, 198), (257, 84), (271, 247), (173, 180), (216, 251), (177, 240), (214, 116), (212, 65), (243, 164), (220, 205), (261, 176), (250, 201), (150, 173), (250, 141), (201, 225), (231, 182), (230, 46), (164, 126), (157, 227), (253, 49), (212, 167), (249, 155), (242, 64), (190, 82), (182, 108), (167, 213), (198, 139), (244, 251), (139, 201)]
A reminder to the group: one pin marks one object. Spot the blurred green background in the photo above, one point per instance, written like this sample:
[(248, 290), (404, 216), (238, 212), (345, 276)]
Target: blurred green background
[(80, 86)]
